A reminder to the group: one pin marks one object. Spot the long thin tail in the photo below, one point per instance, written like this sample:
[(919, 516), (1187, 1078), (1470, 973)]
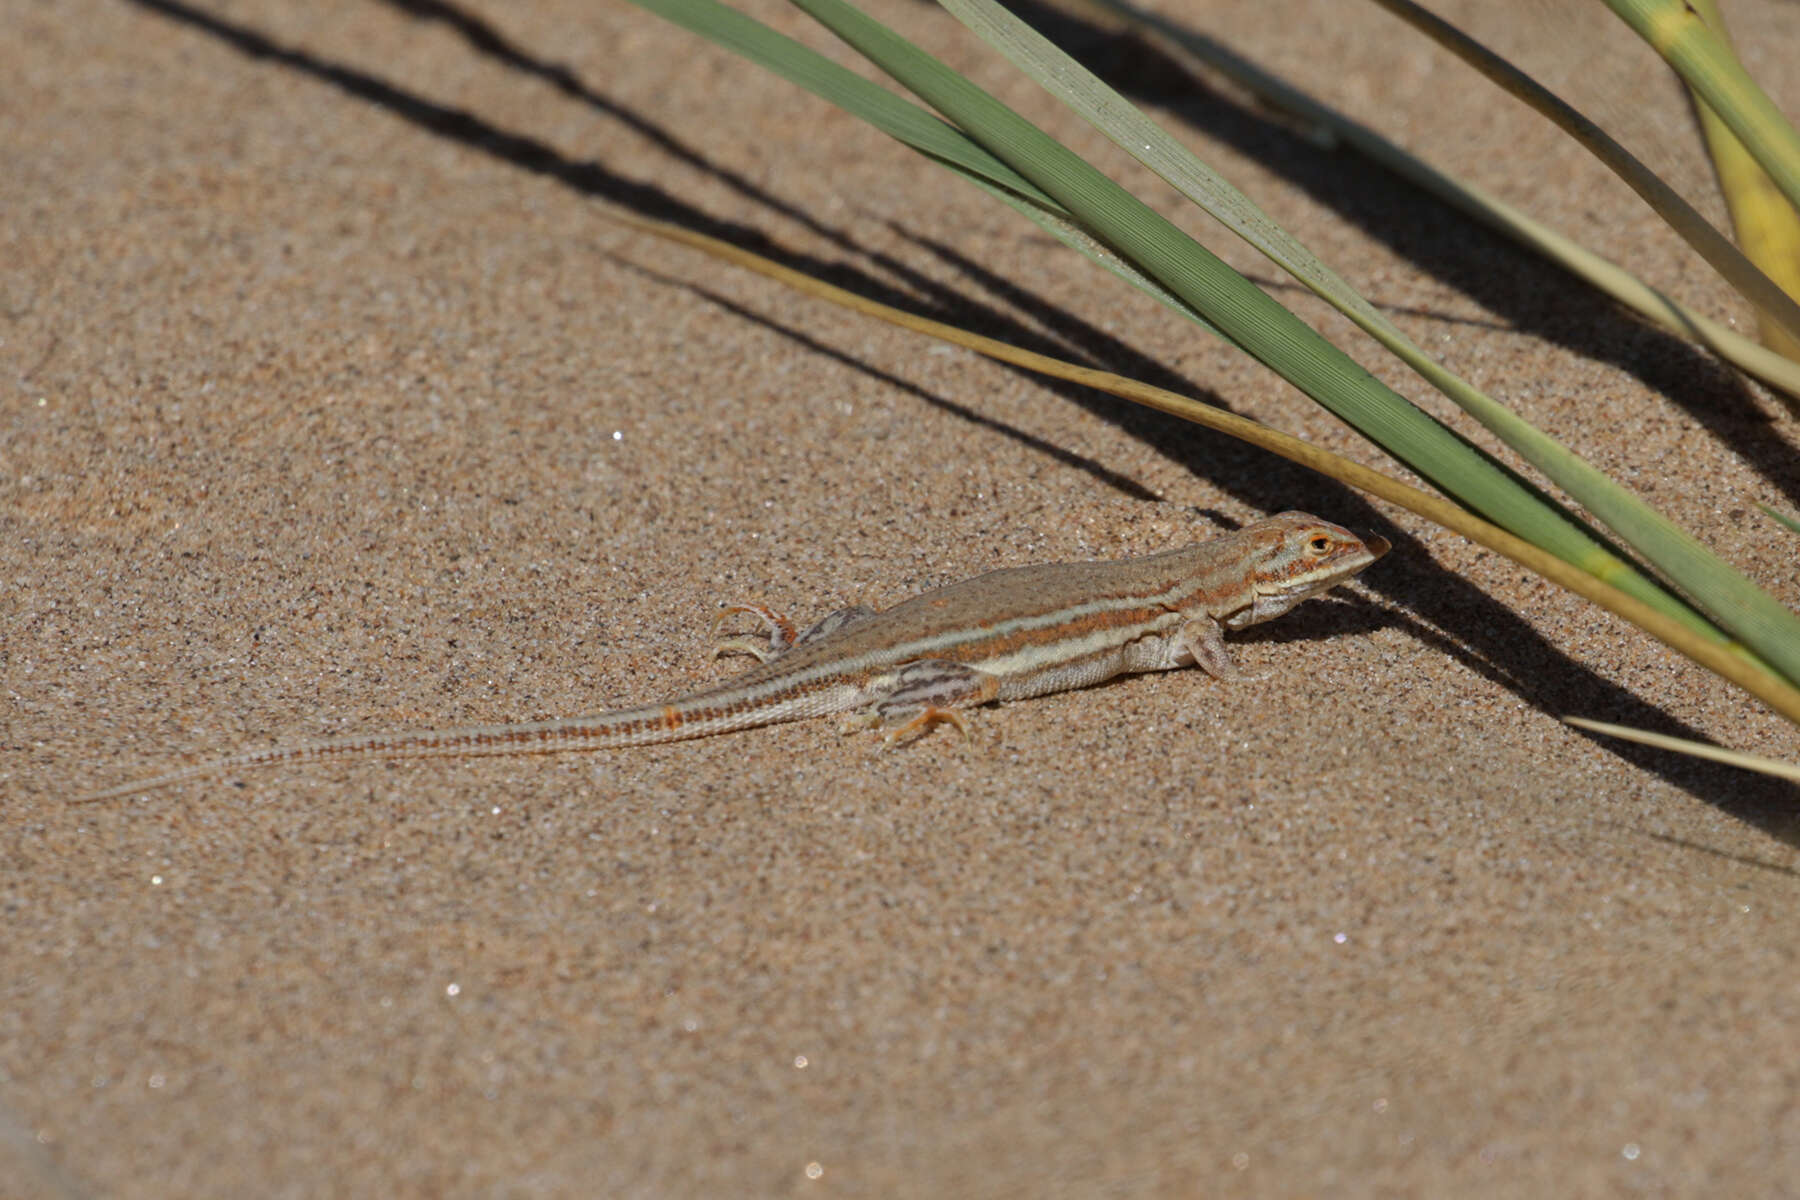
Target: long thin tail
[(625, 727)]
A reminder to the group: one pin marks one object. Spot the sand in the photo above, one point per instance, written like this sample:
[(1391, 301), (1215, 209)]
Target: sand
[(334, 403)]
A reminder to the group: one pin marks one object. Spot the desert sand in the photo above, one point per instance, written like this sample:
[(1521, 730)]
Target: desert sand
[(333, 402)]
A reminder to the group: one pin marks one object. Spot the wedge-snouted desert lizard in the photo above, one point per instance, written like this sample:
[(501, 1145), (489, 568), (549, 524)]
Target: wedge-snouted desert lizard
[(1007, 635)]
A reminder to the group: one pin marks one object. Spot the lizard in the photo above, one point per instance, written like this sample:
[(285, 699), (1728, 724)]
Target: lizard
[(1010, 634)]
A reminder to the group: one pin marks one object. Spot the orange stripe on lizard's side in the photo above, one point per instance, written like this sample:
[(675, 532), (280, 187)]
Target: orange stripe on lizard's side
[(1003, 644)]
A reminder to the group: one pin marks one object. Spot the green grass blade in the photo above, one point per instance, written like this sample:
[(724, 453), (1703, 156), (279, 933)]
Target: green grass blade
[(1786, 522), (1151, 145), (1066, 230), (1250, 318), (1737, 604)]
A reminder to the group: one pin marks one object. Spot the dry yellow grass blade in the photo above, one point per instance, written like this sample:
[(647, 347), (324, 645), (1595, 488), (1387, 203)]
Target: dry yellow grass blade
[(1662, 741), (1723, 660)]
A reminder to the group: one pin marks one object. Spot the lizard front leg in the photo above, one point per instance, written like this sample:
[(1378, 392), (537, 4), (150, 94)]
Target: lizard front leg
[(1203, 641), (1199, 641)]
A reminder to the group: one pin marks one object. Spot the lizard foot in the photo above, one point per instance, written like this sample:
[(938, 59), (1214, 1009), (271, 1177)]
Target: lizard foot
[(921, 725)]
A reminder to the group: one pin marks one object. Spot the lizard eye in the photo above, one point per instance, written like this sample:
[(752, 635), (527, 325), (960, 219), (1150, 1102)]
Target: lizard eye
[(1320, 544)]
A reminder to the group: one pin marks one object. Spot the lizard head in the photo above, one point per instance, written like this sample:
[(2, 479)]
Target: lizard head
[(1296, 556)]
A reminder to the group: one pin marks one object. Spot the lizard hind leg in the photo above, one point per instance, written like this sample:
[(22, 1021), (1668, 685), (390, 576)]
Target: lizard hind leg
[(922, 694), (781, 635), (831, 623)]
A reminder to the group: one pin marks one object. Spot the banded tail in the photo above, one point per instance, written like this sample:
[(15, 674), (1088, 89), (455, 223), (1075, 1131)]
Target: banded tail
[(677, 720)]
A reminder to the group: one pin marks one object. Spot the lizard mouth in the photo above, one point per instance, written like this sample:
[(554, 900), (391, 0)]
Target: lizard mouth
[(1376, 545)]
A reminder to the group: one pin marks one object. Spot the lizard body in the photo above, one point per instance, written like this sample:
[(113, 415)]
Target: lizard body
[(1006, 635)]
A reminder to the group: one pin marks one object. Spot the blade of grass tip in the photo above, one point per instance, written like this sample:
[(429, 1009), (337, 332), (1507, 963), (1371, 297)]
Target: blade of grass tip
[(1781, 518), (1331, 126), (1743, 609), (1675, 31), (908, 124), (1681, 216), (1768, 227), (1754, 678), (1662, 741)]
